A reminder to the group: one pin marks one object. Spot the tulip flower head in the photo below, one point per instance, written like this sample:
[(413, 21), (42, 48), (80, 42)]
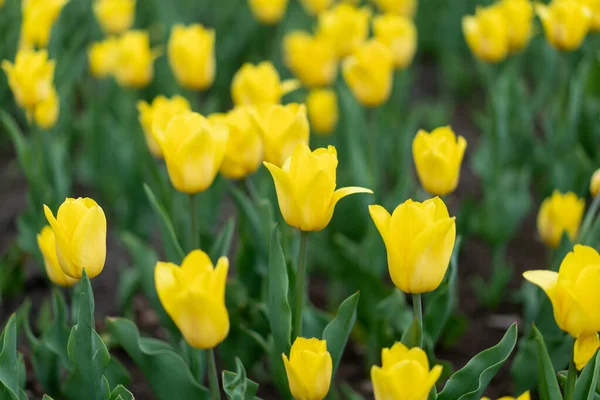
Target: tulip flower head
[(45, 114), (524, 396), (259, 84), (191, 53), (404, 8), (419, 239), (311, 58), (595, 183), (559, 214), (134, 67), (194, 297), (323, 112), (565, 22), (80, 231), (268, 12), (399, 34), (519, 17), (38, 18), (487, 33), (314, 7), (404, 374), (103, 57), (308, 369), (47, 244), (115, 16), (344, 25)]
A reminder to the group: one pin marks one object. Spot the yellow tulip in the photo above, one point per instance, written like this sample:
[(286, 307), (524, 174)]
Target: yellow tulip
[(565, 22), (558, 214), (281, 129), (259, 84), (30, 77), (519, 17), (47, 244), (369, 73), (314, 7), (346, 26), (487, 33), (595, 183), (194, 297), (594, 7), (80, 230), (524, 396), (399, 34), (306, 187), (311, 58), (438, 156), (419, 238), (38, 18), (103, 57), (115, 16), (191, 53), (405, 8), (193, 149), (46, 112), (268, 12), (1, 3), (573, 293), (308, 369), (404, 374), (134, 67), (157, 115), (322, 108)]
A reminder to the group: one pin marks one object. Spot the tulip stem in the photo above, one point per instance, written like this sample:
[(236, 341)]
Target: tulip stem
[(300, 285), (589, 217), (194, 228), (213, 378), (570, 384), (418, 314)]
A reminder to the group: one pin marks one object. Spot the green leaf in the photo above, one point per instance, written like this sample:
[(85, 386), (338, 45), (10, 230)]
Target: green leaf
[(116, 373), (249, 211), (237, 386), (280, 315), (585, 387), (20, 143), (412, 336), (469, 382), (337, 332), (46, 397), (121, 393), (127, 287), (9, 367), (172, 247), (222, 243), (548, 384), (350, 394)]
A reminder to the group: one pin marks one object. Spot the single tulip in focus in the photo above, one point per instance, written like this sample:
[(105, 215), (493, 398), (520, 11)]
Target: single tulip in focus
[(487, 33), (405, 8), (573, 292), (157, 115), (519, 17), (191, 53), (419, 238), (30, 77), (595, 183), (311, 58), (404, 374), (103, 57), (346, 26), (306, 187), (193, 149), (323, 112), (194, 297), (80, 230), (438, 156), (38, 18), (268, 12), (308, 369), (369, 73), (45, 114), (115, 16), (558, 214), (314, 7), (399, 34), (259, 84), (524, 396), (565, 22), (134, 67), (47, 244)]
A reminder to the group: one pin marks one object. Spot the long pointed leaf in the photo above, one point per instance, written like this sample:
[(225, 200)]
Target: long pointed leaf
[(337, 332), (172, 246)]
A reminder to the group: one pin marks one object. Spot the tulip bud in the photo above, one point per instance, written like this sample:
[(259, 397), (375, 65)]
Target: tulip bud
[(46, 112), (314, 7), (595, 183), (47, 244), (311, 59), (259, 84), (103, 57), (157, 116), (486, 33), (30, 77), (322, 110), (268, 12), (80, 230), (308, 369), (306, 187), (524, 396), (565, 22), (404, 374), (192, 56), (38, 18), (194, 297), (438, 156), (519, 17), (399, 34), (346, 26), (558, 214), (405, 8), (369, 73), (115, 16), (419, 239), (134, 60)]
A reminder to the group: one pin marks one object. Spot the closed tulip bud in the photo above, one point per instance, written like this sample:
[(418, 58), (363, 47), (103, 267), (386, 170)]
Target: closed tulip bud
[(268, 12), (311, 58), (281, 129), (323, 112), (157, 116), (404, 374), (524, 396), (419, 238), (405, 8), (191, 53), (308, 369), (259, 84), (46, 112), (194, 297), (565, 22), (193, 149), (438, 156), (559, 214), (38, 18), (399, 34), (314, 7), (47, 244), (80, 230), (369, 73), (594, 7), (486, 33), (519, 17), (346, 26), (30, 77), (134, 67), (595, 183), (115, 16), (103, 57), (306, 187)]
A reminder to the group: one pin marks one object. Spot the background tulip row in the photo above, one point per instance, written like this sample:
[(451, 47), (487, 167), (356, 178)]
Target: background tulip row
[(263, 199)]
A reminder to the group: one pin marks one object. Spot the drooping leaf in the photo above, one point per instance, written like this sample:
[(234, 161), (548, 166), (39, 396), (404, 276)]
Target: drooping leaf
[(337, 332), (280, 315)]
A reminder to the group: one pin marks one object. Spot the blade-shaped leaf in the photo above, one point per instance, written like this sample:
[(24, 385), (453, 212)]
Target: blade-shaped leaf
[(249, 211), (585, 387), (222, 243), (9, 368), (237, 386), (412, 336), (337, 332), (280, 315), (172, 247), (548, 384), (121, 393)]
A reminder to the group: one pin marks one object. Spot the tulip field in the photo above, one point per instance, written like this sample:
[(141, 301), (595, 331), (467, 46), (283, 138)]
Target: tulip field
[(300, 199)]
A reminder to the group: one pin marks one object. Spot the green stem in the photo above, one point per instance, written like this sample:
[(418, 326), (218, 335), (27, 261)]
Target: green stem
[(213, 378), (193, 226), (589, 217), (300, 285), (418, 313), (570, 384), (254, 195), (372, 141)]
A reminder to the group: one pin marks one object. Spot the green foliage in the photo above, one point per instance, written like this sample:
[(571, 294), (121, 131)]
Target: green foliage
[(237, 386), (337, 332), (548, 384)]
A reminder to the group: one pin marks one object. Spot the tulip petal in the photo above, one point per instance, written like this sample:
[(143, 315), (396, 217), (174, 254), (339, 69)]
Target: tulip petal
[(296, 384), (584, 349), (575, 261), (347, 191), (89, 243), (289, 85), (382, 219), (166, 283), (220, 278), (69, 214), (587, 292), (317, 373), (63, 247), (202, 320), (542, 278), (314, 200), (384, 385), (195, 264), (286, 195), (433, 377)]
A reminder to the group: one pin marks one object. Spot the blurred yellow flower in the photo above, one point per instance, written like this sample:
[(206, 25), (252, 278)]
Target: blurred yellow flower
[(559, 214), (565, 22), (134, 66), (103, 57), (268, 12), (308, 369), (524, 396), (344, 25), (369, 73), (1, 3), (46, 112), (487, 33), (312, 59), (419, 238), (259, 84), (314, 7), (405, 8), (194, 297), (191, 52), (306, 187), (595, 183), (115, 16), (519, 20), (404, 374), (438, 156), (594, 7), (80, 230), (157, 115), (47, 244), (31, 77), (38, 18), (323, 112), (399, 34)]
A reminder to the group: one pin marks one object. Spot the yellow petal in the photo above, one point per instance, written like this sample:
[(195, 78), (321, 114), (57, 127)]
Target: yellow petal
[(316, 373), (347, 191), (587, 292), (575, 261), (382, 219), (289, 85), (47, 244), (63, 247), (584, 349), (314, 200), (89, 243), (286, 196), (296, 384), (69, 214), (166, 284)]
